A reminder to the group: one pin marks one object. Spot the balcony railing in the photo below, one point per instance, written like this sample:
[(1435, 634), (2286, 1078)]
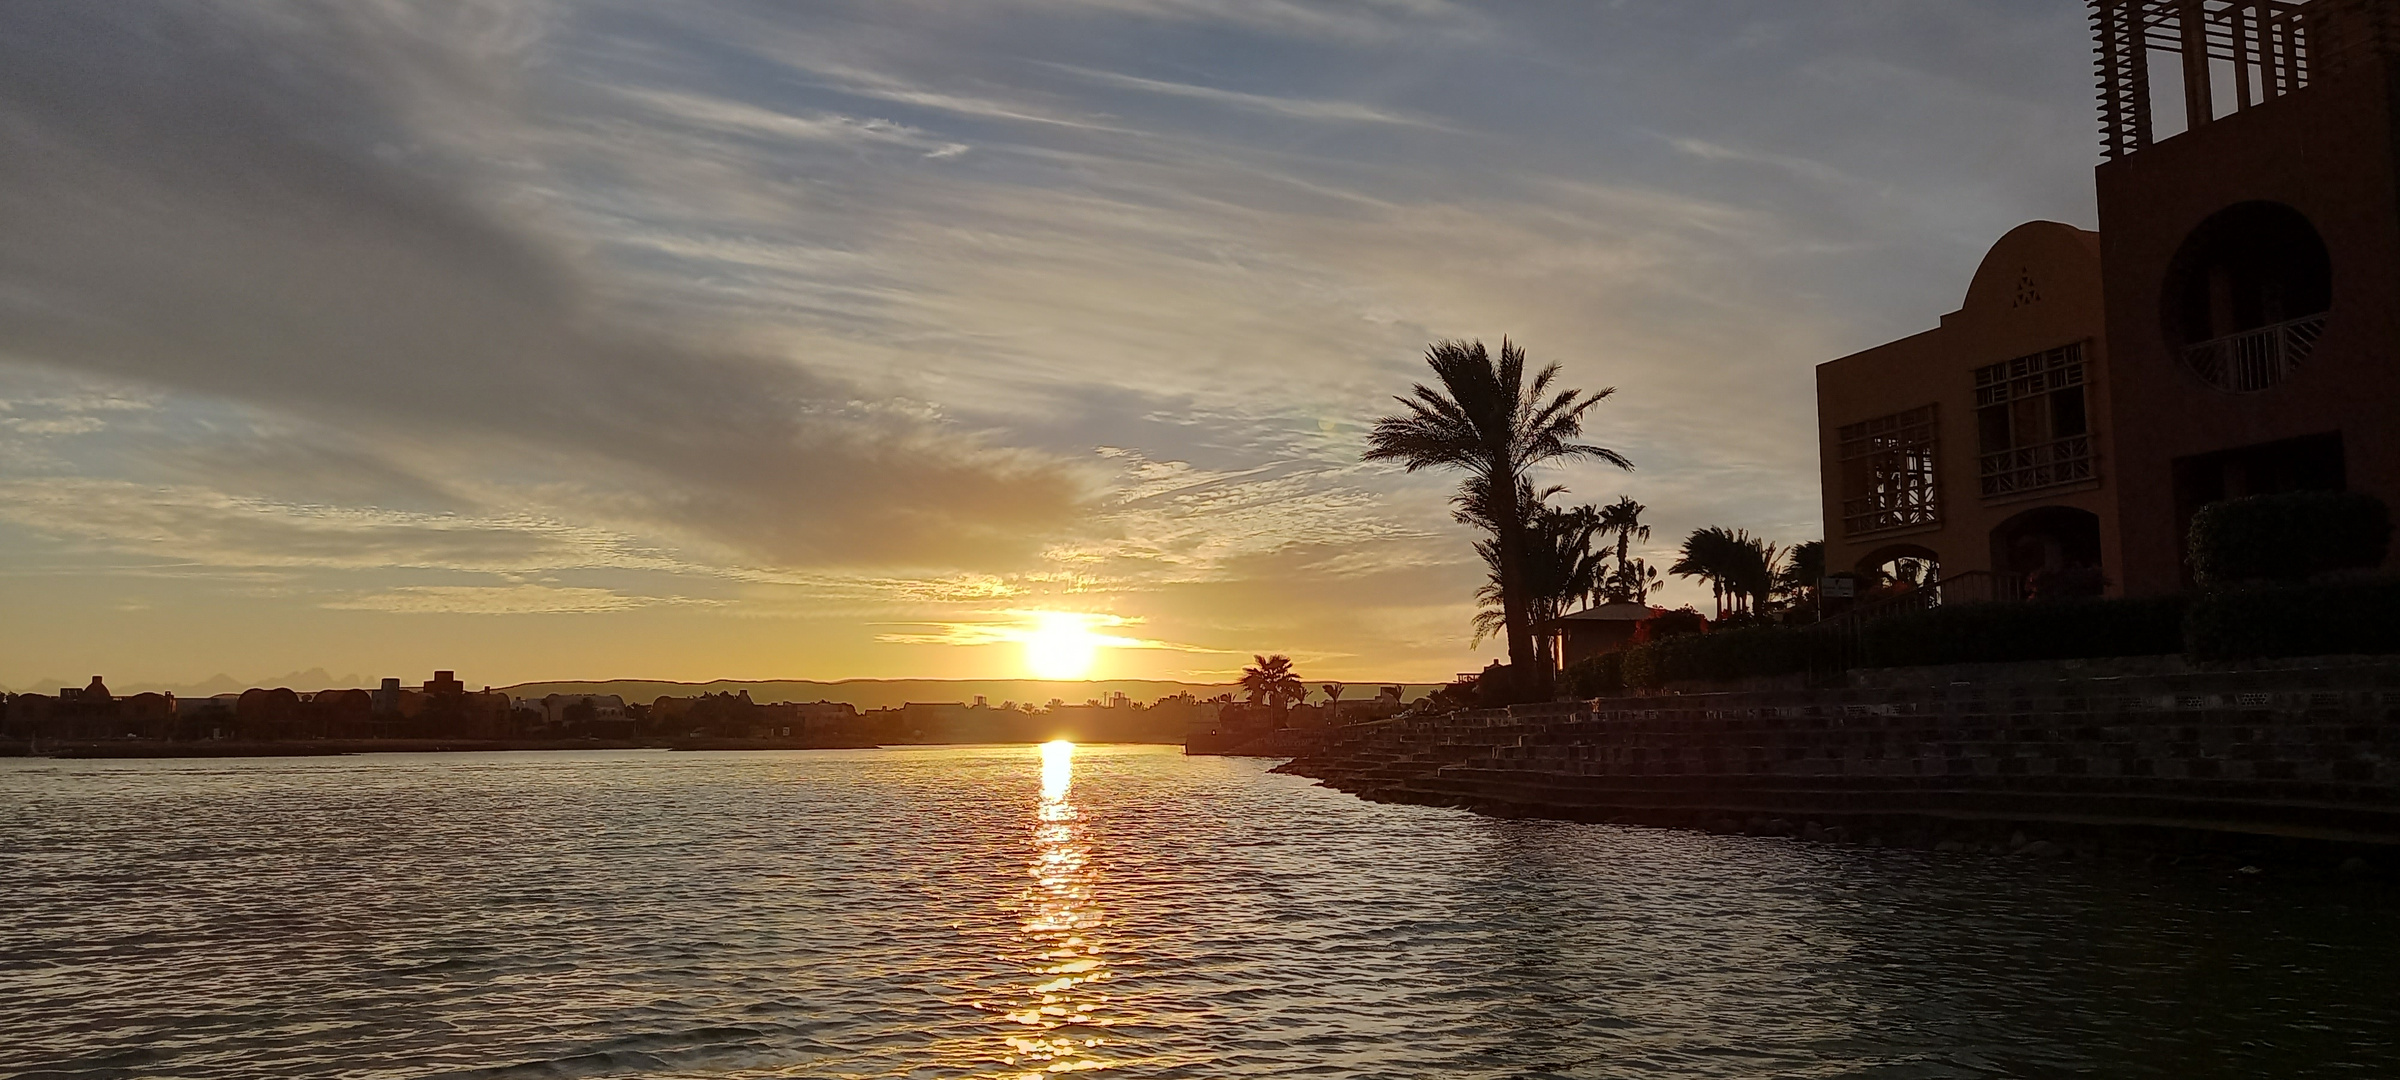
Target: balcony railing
[(2254, 360), (2041, 465)]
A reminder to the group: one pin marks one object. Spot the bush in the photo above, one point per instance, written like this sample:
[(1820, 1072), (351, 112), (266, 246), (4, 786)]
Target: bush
[(1502, 685), (1750, 652), (1667, 624), (2327, 619), (1598, 676), (2049, 630), (2288, 537)]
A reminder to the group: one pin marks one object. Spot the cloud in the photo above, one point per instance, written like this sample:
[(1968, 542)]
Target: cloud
[(499, 600), (1293, 107), (242, 202), (206, 528), (1019, 627)]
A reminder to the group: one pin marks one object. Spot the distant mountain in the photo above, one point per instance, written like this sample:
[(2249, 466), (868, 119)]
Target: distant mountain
[(310, 681), (882, 693)]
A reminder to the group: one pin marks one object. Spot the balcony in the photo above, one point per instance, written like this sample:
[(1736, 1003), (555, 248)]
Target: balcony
[(2254, 360), (2041, 465)]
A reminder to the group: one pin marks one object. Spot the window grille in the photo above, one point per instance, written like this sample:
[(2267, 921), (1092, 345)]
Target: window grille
[(1889, 472), (2033, 423)]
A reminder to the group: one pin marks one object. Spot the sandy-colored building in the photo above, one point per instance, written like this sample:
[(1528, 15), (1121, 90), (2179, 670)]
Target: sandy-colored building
[(1981, 446), (2230, 330)]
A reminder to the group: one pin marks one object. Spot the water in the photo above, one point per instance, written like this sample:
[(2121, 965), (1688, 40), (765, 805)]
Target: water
[(1127, 911)]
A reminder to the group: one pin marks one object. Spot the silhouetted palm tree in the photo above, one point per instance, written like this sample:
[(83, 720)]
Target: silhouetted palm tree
[(1488, 421), (1333, 700), (1273, 680), (1737, 566), (1560, 569), (1629, 581), (1803, 567)]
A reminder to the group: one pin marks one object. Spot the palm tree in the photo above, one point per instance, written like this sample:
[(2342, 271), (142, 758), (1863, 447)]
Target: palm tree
[(1560, 569), (1273, 680), (1803, 567), (1630, 580), (1333, 701), (1489, 422), (1737, 566)]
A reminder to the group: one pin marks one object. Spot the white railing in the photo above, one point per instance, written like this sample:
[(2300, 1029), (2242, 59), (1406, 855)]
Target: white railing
[(2041, 465), (2254, 360)]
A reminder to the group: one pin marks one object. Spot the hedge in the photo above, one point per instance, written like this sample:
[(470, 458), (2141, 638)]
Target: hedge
[(2330, 618), (2324, 619), (1597, 677), (2288, 537), (1724, 656), (2043, 630)]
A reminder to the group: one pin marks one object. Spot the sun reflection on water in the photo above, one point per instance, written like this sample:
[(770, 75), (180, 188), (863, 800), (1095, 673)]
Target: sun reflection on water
[(1061, 1022)]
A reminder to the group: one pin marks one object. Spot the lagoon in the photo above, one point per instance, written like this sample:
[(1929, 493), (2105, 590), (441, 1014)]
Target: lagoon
[(1119, 910)]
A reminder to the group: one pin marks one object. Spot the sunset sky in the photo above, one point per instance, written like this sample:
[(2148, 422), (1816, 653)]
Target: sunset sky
[(846, 339)]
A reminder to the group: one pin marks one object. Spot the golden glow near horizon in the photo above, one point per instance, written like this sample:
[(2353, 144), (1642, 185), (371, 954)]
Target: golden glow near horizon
[(1062, 1024), (1061, 645)]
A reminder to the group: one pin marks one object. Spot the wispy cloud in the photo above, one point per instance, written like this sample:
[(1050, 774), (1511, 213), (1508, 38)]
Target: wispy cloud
[(499, 600), (1295, 107)]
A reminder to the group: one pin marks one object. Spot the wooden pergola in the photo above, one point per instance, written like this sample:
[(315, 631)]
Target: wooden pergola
[(2273, 47)]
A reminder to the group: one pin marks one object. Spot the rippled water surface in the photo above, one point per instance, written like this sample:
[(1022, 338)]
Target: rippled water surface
[(1002, 911)]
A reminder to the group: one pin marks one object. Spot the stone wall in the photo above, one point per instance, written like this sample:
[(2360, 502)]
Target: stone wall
[(2296, 752)]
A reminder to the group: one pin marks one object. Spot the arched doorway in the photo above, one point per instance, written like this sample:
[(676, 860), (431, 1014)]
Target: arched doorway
[(1899, 567), (2052, 550)]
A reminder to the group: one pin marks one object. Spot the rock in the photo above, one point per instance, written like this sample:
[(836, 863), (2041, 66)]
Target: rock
[(2044, 849), (1780, 827), (1952, 846), (1839, 834), (2016, 841), (1812, 831)]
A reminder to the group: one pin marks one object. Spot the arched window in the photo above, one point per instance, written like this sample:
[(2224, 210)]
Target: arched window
[(2246, 296)]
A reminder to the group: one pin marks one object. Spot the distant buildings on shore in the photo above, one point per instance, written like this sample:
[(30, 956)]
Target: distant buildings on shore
[(443, 708)]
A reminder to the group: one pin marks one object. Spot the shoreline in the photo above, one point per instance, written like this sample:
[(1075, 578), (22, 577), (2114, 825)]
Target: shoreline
[(145, 749), (136, 749)]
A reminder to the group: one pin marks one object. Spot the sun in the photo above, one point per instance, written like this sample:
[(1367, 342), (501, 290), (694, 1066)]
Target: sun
[(1061, 646)]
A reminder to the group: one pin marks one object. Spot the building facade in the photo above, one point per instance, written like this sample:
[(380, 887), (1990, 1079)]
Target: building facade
[(2231, 329), (1980, 447)]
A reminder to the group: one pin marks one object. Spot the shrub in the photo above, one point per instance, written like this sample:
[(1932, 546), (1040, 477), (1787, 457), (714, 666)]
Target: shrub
[(2288, 537), (2050, 630), (1502, 685), (1667, 624), (1750, 652), (2325, 619), (1598, 676)]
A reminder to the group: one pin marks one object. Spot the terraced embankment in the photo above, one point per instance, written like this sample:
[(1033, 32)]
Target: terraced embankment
[(2296, 759)]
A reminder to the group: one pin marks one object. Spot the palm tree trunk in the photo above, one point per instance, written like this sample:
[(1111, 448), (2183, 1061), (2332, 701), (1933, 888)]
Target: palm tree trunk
[(1510, 517)]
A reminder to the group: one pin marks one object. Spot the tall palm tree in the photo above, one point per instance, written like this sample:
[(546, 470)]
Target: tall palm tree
[(1561, 568), (1627, 582), (1272, 678), (1333, 700), (1489, 422)]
